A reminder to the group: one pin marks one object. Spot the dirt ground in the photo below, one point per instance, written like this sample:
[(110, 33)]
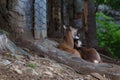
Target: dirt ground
[(39, 68)]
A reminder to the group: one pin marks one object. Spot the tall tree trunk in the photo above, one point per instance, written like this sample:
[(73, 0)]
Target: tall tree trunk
[(55, 19), (92, 34)]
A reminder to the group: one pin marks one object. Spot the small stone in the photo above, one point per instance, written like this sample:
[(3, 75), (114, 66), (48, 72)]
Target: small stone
[(50, 68), (34, 72), (88, 77), (50, 74), (19, 57), (98, 76), (56, 66), (5, 62), (79, 79), (30, 71), (18, 71)]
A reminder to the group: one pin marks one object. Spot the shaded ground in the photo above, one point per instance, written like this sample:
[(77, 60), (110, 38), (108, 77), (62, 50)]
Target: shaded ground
[(22, 68)]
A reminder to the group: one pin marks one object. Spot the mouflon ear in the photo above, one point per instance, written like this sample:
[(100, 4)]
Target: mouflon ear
[(67, 27)]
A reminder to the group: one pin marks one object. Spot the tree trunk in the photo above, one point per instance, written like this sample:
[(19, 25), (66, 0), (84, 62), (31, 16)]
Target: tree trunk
[(92, 34), (55, 18), (48, 48)]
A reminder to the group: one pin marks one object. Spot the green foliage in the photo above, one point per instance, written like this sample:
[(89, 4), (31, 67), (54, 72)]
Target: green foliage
[(102, 1), (115, 4), (108, 34), (32, 65)]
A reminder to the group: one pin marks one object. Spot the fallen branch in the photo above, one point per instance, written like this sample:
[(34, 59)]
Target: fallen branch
[(48, 48)]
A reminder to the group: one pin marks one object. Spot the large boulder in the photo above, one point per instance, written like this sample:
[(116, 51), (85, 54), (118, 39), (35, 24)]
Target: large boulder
[(20, 17)]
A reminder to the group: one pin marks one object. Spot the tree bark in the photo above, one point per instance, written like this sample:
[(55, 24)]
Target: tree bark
[(48, 48), (55, 28), (92, 33)]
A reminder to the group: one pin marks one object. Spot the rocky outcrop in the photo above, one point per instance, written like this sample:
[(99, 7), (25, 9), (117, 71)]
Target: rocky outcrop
[(20, 17)]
